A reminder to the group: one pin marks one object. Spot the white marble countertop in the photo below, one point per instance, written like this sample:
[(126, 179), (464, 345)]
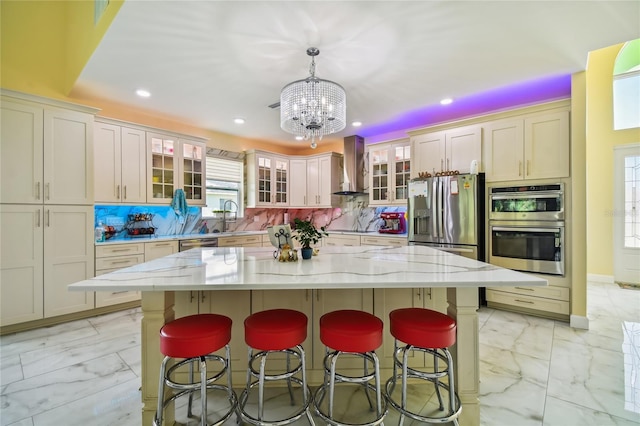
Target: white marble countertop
[(335, 267)]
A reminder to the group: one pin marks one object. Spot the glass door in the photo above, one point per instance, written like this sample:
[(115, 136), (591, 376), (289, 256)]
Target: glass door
[(264, 180), (402, 171), (193, 166), (281, 183), (162, 168), (380, 174)]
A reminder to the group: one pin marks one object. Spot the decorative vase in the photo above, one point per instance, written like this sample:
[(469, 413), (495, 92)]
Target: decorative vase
[(307, 252)]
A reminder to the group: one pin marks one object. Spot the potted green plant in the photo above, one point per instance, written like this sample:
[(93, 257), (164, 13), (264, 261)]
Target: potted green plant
[(306, 233)]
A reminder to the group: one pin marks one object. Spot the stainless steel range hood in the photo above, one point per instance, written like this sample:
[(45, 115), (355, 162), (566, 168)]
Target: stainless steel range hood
[(354, 167)]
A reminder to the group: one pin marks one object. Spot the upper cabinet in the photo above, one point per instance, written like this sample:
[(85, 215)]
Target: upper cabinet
[(447, 150), (534, 146), (267, 179), (174, 163), (47, 154), (389, 172), (120, 164), (315, 179)]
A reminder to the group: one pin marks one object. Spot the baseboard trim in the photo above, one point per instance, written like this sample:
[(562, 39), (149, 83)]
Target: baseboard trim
[(578, 321), (600, 278)]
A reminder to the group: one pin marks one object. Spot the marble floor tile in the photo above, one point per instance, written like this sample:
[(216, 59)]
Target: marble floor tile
[(533, 371)]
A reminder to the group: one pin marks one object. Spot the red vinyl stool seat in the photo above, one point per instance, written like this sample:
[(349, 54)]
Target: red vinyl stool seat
[(194, 339), (432, 333), (275, 331), (353, 333)]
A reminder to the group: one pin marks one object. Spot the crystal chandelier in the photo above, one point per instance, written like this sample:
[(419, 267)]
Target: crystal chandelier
[(313, 107)]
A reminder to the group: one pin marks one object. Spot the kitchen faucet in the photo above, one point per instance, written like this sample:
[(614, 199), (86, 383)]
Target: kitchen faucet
[(224, 214)]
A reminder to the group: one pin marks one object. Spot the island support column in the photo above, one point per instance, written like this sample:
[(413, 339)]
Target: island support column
[(463, 306), (157, 310)]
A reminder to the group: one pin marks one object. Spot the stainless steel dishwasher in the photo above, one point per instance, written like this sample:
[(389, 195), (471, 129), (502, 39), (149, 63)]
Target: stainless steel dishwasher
[(197, 242)]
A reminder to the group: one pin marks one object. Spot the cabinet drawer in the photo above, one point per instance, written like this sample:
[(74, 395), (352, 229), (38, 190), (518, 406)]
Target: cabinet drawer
[(118, 262), (528, 302), (382, 241), (240, 241), (341, 240), (119, 250), (549, 292)]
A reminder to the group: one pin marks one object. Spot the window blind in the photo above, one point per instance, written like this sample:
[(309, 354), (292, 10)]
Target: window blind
[(223, 169)]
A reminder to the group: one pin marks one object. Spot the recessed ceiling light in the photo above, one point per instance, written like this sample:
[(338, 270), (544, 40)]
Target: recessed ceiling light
[(299, 138), (238, 120), (446, 101), (356, 123), (143, 93)]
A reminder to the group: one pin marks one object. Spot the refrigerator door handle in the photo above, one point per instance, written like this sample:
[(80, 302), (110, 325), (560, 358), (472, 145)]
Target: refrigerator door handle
[(440, 208), (434, 209)]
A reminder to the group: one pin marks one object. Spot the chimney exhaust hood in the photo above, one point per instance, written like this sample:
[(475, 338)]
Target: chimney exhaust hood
[(354, 167)]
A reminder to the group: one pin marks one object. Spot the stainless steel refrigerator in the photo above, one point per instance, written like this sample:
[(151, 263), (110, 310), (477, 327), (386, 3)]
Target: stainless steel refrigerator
[(447, 212)]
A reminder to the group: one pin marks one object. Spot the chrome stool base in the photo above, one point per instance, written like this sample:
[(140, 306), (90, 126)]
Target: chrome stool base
[(288, 375), (332, 377), (193, 387), (454, 405)]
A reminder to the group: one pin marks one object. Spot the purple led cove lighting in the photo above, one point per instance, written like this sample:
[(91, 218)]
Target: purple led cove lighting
[(542, 90)]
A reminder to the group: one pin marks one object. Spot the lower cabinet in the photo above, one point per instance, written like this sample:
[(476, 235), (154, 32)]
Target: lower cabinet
[(159, 249), (387, 300), (368, 240), (44, 249), (241, 241), (341, 240), (112, 257), (551, 301), (234, 304)]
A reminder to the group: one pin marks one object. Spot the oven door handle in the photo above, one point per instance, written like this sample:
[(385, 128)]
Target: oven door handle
[(526, 196), (512, 228)]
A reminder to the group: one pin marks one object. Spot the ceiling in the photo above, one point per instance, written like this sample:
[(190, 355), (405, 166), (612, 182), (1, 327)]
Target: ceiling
[(207, 62)]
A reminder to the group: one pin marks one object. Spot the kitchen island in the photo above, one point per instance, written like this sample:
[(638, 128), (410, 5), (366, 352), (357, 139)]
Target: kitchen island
[(335, 268)]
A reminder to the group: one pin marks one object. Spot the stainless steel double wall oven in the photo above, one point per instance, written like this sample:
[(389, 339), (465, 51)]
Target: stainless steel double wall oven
[(526, 228)]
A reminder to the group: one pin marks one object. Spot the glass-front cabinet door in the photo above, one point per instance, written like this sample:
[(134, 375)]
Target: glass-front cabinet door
[(163, 167), (193, 167), (281, 181), (402, 172), (267, 179), (389, 172), (175, 164)]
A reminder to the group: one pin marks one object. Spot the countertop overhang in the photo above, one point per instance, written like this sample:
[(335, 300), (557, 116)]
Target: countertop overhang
[(231, 268)]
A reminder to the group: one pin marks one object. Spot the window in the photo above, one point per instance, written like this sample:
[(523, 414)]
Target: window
[(224, 186), (626, 87)]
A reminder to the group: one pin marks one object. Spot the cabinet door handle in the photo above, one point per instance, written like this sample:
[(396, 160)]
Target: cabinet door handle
[(37, 190), (191, 296), (419, 294), (125, 191), (38, 218), (202, 296), (519, 168), (527, 170), (47, 190), (306, 294), (441, 164), (48, 221), (318, 295), (524, 301), (118, 191), (525, 288), (304, 200)]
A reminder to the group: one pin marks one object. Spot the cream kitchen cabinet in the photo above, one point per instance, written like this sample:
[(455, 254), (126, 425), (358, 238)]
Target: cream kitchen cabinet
[(47, 152), (387, 300), (158, 249), (120, 164), (369, 240), (534, 146), (175, 163), (389, 172), (334, 239), (110, 258), (447, 150), (267, 179), (241, 241), (314, 180), (551, 301), (44, 249)]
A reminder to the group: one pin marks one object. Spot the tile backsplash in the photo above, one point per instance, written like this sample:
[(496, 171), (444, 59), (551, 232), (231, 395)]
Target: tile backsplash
[(352, 216)]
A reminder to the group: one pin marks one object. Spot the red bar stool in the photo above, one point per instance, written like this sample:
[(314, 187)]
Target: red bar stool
[(195, 338), (275, 331), (432, 333), (355, 333)]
